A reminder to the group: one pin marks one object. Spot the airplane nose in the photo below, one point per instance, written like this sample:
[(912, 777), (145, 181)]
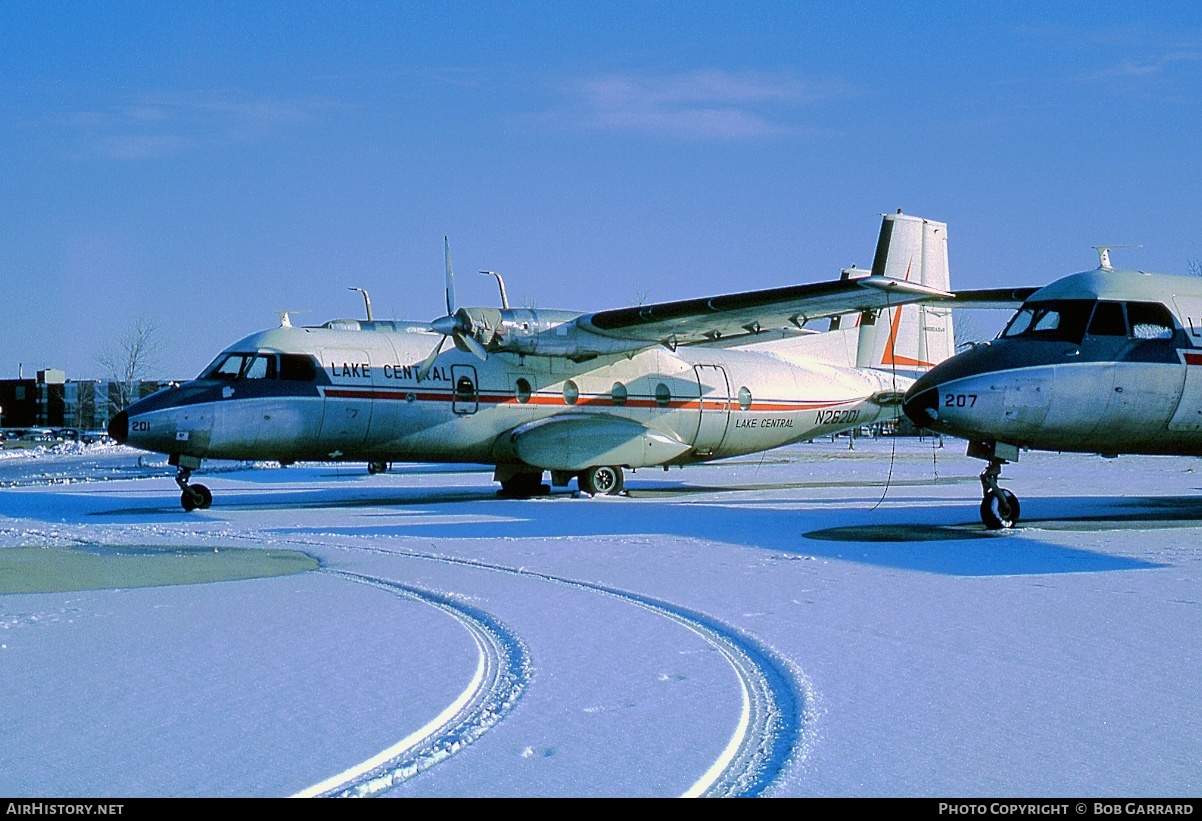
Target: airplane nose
[(119, 427), (921, 406)]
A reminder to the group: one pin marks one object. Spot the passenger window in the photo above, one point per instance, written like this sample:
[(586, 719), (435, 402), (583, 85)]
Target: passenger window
[(1150, 320), (619, 394), (571, 393), (523, 390), (1108, 320), (744, 398), (663, 396), (296, 367)]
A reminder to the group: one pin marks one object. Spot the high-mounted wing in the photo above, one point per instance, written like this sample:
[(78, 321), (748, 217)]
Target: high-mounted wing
[(994, 297), (697, 321), (910, 265)]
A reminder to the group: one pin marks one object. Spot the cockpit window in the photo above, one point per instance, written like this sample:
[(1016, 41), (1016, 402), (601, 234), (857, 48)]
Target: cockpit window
[(297, 367), (1150, 320), (229, 367), (261, 367), (225, 367), (1063, 320), (1108, 320)]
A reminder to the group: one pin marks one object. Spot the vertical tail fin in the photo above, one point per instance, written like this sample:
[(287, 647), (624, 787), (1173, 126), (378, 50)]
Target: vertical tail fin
[(910, 339)]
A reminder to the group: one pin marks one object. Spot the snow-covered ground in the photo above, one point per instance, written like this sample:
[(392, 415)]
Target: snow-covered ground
[(774, 626)]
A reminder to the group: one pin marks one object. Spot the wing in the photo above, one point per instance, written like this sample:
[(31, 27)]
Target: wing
[(745, 316), (993, 297)]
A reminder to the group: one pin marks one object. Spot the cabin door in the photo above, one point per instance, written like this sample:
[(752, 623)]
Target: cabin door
[(465, 391), (348, 402), (714, 408)]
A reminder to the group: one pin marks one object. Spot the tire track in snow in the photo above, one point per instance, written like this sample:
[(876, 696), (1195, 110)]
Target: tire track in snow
[(502, 673), (770, 725), (770, 730)]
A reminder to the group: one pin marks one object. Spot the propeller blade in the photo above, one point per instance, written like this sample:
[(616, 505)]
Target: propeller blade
[(473, 346), (446, 245), (424, 370)]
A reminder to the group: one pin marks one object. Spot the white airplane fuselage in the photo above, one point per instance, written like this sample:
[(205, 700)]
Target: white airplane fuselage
[(366, 402), (1122, 373), (580, 395)]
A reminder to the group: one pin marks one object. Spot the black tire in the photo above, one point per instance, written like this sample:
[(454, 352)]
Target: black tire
[(202, 495), (523, 486), (990, 514), (377, 467), (187, 500), (603, 480)]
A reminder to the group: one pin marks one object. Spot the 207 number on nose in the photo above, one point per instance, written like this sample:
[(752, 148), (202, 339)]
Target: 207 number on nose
[(959, 400)]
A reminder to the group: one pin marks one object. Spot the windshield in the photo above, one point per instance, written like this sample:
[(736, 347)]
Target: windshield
[(1063, 320), (229, 367)]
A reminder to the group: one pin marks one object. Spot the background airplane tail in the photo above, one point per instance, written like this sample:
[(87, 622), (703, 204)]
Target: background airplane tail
[(910, 339), (903, 341)]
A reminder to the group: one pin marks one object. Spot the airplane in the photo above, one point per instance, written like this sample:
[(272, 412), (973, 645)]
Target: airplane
[(584, 396), (1104, 361)]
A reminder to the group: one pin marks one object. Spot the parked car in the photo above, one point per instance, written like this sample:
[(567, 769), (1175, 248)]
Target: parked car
[(35, 438)]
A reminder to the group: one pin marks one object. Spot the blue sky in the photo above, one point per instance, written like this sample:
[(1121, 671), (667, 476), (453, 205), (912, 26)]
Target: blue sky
[(208, 164)]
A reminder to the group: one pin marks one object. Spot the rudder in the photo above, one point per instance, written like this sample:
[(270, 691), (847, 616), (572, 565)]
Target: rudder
[(910, 339)]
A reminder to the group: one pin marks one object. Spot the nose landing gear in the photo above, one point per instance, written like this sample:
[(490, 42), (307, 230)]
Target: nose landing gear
[(194, 497), (999, 508)]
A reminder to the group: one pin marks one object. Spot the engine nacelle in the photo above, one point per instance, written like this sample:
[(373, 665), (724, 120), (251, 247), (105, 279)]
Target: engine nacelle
[(533, 332)]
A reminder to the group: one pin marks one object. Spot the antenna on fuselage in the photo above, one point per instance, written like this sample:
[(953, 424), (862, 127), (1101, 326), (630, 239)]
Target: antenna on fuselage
[(1104, 255), (501, 285), (286, 317), (366, 302)]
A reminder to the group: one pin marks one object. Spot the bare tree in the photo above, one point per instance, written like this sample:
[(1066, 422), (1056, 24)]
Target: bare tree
[(135, 356), (968, 329), (1194, 266)]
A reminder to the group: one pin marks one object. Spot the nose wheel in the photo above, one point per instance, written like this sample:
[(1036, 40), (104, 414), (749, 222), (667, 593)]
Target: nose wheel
[(999, 508), (193, 497)]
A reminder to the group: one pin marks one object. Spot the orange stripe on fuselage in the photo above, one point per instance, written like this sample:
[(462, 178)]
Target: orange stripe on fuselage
[(601, 400)]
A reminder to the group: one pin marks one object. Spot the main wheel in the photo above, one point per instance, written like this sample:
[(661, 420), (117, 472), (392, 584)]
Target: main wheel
[(604, 480), (196, 497), (523, 486), (377, 467), (991, 515)]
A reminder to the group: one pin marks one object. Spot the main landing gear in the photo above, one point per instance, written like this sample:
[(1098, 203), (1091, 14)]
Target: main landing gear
[(604, 480), (999, 508), (194, 497), (377, 467), (522, 485)]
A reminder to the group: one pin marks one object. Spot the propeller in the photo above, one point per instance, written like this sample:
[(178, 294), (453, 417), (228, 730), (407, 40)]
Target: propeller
[(457, 324)]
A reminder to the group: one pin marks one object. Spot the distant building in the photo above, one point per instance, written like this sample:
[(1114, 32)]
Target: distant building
[(53, 401), (18, 403)]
